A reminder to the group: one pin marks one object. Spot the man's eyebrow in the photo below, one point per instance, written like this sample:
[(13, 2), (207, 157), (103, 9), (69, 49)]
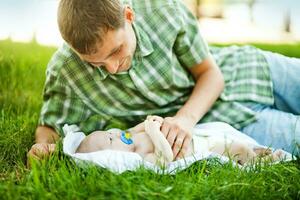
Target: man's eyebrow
[(112, 52)]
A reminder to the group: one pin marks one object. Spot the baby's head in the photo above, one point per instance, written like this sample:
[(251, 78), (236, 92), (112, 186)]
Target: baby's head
[(113, 139)]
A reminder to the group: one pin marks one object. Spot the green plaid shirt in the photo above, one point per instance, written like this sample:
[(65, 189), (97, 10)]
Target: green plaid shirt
[(158, 82)]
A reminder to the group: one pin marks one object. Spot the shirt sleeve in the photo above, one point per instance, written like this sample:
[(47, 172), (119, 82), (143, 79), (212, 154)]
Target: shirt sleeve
[(189, 46), (61, 106)]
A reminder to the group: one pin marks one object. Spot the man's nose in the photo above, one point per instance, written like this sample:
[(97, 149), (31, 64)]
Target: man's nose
[(112, 67)]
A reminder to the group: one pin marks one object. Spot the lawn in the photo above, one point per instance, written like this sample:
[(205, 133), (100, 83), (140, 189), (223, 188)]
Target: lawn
[(22, 75)]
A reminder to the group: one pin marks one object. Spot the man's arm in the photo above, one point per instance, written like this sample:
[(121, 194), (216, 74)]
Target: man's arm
[(193, 54), (209, 85), (45, 134)]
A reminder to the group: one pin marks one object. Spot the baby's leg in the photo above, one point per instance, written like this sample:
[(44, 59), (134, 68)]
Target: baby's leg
[(264, 154), (238, 151), (268, 155), (278, 155), (243, 153)]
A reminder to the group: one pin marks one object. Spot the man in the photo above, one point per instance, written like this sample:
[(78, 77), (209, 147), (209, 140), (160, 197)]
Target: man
[(124, 60)]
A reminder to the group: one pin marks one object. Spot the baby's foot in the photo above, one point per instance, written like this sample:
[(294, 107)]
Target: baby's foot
[(278, 155), (262, 151)]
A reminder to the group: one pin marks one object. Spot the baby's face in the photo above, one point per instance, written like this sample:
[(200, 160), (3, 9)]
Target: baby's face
[(112, 140)]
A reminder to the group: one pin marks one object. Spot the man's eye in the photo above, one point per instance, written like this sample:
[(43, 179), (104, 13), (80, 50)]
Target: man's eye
[(118, 51)]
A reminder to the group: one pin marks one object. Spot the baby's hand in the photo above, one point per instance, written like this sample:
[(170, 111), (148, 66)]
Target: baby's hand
[(155, 118)]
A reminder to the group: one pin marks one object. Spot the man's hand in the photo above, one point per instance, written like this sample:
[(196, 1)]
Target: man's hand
[(45, 138), (178, 131), (40, 150)]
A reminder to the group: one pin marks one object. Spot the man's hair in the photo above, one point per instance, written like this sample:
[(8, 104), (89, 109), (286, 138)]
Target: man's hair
[(83, 23)]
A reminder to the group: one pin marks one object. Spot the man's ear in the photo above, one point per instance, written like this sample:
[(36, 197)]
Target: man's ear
[(129, 14)]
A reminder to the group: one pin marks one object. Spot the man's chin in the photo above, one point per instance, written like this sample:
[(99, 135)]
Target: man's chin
[(125, 66), (123, 70)]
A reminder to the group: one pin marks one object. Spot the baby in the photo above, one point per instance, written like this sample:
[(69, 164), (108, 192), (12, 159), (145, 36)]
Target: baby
[(148, 141)]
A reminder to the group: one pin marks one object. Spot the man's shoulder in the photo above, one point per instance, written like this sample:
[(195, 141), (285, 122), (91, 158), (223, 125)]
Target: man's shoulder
[(152, 15), (148, 7), (158, 13), (63, 56)]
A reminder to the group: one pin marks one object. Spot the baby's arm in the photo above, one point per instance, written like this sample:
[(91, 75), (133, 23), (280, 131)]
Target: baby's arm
[(138, 128), (163, 149), (141, 126)]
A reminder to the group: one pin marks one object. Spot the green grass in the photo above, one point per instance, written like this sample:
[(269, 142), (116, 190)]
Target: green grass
[(22, 75)]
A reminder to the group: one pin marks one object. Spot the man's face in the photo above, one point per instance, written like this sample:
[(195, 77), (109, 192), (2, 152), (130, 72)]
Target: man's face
[(116, 51)]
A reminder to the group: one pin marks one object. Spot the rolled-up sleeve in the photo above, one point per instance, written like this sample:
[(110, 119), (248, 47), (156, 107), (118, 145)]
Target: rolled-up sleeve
[(190, 47)]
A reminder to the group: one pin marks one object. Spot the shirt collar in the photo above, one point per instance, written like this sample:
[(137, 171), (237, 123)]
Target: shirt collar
[(144, 45)]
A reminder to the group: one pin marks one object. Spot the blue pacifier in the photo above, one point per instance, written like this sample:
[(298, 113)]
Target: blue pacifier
[(126, 137)]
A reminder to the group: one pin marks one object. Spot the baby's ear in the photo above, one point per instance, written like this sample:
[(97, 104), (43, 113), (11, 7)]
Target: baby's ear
[(262, 151)]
